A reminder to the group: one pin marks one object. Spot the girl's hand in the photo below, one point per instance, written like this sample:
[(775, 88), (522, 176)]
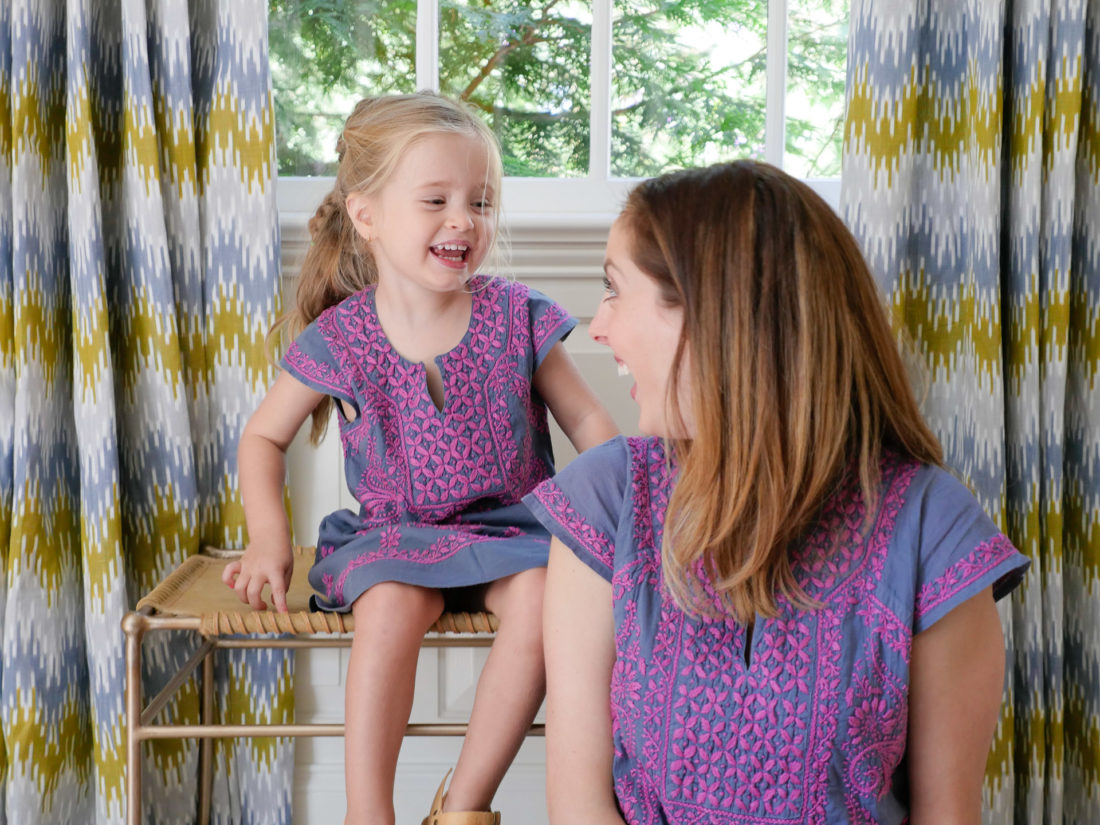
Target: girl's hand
[(272, 566), (261, 460)]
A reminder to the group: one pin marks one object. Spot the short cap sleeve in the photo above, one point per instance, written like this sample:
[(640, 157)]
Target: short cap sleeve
[(549, 324), (583, 504), (961, 551), (314, 358)]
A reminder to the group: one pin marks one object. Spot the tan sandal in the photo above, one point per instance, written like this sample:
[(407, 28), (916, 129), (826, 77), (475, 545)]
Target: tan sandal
[(440, 817)]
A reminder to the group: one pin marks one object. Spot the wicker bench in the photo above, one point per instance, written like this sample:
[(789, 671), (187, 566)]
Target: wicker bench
[(193, 598)]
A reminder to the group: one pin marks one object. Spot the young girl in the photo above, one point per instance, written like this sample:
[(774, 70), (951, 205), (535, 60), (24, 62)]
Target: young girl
[(441, 379)]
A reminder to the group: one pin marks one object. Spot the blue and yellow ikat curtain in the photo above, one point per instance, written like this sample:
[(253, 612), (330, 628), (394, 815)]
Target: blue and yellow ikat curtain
[(972, 178), (138, 275)]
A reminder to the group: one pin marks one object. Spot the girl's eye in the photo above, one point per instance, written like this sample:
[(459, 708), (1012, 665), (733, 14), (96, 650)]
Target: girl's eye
[(608, 289), (435, 201), (482, 206)]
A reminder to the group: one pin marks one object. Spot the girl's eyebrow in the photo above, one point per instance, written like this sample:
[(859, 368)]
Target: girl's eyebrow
[(442, 183)]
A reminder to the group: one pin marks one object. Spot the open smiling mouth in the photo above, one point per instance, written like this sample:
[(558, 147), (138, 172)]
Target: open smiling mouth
[(452, 253)]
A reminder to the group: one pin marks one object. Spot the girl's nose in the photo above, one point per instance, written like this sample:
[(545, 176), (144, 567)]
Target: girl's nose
[(459, 217)]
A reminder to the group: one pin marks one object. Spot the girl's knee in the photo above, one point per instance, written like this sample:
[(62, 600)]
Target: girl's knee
[(518, 599), (399, 602)]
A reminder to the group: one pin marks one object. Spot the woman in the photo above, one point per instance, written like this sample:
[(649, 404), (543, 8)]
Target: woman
[(784, 600)]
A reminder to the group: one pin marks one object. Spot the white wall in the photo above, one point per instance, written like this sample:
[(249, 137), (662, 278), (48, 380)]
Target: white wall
[(564, 260)]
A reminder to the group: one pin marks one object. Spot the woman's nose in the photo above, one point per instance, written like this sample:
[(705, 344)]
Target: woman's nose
[(597, 327)]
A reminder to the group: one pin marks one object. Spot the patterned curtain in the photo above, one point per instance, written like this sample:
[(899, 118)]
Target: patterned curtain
[(972, 178), (138, 275)]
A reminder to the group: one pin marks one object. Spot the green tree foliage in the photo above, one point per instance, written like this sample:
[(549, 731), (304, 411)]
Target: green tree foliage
[(687, 77), (325, 55)]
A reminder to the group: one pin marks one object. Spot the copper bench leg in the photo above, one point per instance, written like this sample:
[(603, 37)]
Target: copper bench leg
[(206, 747), (133, 625)]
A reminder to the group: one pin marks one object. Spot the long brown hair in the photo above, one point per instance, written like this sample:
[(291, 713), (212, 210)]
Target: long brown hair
[(791, 368), (374, 139)]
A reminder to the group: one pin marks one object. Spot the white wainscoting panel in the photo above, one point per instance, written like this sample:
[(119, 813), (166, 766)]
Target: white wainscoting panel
[(565, 262)]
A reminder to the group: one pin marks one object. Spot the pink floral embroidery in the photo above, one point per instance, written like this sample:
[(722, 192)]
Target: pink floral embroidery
[(879, 716), (798, 725), (412, 465), (320, 372), (597, 544), (749, 742), (963, 572), (456, 538), (546, 325), (429, 463)]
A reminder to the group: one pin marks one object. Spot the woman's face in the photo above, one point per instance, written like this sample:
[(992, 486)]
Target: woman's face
[(642, 332)]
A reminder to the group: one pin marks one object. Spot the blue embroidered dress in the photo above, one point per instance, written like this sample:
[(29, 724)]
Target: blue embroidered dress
[(439, 490), (809, 725)]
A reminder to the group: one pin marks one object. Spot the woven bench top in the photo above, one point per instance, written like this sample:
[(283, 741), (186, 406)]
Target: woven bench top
[(195, 589)]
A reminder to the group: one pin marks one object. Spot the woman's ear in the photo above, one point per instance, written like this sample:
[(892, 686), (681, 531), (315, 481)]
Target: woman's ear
[(359, 210)]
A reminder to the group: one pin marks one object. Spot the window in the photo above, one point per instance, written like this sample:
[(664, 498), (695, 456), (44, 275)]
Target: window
[(584, 96)]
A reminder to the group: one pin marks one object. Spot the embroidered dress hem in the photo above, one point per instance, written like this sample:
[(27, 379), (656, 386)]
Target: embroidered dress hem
[(477, 550)]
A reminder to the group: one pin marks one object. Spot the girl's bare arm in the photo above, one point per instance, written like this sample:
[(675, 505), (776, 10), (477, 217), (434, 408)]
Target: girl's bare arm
[(574, 405), (261, 460)]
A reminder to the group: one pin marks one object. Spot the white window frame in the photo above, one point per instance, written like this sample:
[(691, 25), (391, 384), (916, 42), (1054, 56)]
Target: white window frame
[(592, 200)]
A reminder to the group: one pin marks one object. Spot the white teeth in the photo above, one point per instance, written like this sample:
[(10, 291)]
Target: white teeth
[(623, 370), (452, 247)]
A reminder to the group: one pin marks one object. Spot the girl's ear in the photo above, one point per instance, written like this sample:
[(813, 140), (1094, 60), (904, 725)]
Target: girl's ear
[(359, 210)]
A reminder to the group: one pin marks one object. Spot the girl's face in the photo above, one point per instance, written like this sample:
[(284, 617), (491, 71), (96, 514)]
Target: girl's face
[(432, 223), (642, 332)]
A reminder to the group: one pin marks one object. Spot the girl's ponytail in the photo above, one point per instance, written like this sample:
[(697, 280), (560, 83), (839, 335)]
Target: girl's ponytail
[(336, 265)]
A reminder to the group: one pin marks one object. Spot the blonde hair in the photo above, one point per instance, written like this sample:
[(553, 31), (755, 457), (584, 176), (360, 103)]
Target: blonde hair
[(794, 378), (374, 139)]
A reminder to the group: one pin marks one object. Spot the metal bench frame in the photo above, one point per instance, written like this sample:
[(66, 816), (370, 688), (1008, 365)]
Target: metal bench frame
[(140, 717)]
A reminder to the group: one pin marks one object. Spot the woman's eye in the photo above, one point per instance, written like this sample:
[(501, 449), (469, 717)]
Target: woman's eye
[(608, 289)]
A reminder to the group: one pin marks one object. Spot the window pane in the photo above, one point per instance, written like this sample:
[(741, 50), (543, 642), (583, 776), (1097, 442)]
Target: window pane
[(525, 66), (688, 83), (817, 44), (325, 56)]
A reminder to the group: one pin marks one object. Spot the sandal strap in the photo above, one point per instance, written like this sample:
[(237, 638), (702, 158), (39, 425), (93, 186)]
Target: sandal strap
[(437, 803), (440, 817), (464, 818)]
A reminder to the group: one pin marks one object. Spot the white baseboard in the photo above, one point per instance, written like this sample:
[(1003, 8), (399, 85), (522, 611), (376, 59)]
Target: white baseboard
[(319, 789)]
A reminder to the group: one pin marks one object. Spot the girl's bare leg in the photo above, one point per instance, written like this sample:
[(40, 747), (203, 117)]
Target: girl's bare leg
[(390, 621), (511, 688)]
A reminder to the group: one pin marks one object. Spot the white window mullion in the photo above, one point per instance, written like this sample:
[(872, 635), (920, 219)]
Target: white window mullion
[(775, 129), (599, 160), (427, 45)]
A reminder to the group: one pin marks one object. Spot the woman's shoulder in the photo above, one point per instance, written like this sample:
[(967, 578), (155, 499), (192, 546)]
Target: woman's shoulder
[(952, 544), (929, 504), (609, 458), (623, 453), (600, 474), (937, 490)]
